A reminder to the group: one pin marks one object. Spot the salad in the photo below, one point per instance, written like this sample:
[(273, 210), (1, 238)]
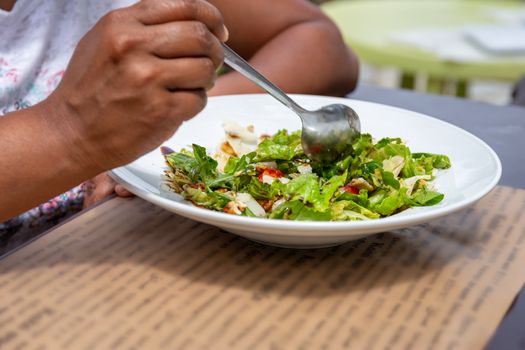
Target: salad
[(271, 177)]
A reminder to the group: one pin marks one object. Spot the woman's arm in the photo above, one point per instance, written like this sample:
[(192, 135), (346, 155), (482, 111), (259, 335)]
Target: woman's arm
[(290, 41), (35, 162), (7, 5)]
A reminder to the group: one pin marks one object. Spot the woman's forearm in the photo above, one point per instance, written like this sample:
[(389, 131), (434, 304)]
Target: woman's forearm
[(35, 161)]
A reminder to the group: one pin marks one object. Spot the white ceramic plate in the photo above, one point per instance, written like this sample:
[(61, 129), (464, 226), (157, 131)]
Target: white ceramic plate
[(475, 167)]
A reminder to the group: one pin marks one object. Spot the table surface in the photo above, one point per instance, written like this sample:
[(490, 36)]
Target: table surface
[(366, 26), (502, 127)]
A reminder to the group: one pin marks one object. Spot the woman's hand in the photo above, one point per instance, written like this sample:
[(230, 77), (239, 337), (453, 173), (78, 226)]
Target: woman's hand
[(135, 77), (100, 187)]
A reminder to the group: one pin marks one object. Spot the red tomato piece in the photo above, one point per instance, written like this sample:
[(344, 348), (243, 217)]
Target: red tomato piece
[(350, 189), (275, 173)]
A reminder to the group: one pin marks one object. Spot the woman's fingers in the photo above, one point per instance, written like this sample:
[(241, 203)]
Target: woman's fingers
[(184, 104), (151, 12), (122, 192), (186, 73), (98, 188), (183, 39)]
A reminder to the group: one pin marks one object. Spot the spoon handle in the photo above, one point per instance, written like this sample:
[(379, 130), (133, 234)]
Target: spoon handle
[(232, 59)]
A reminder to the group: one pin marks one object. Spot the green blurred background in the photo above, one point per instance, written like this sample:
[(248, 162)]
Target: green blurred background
[(450, 67)]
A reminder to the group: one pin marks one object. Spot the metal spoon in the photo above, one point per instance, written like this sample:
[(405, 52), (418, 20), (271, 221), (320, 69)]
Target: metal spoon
[(327, 133)]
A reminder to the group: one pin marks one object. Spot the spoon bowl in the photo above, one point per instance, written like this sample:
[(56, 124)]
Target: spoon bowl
[(327, 133)]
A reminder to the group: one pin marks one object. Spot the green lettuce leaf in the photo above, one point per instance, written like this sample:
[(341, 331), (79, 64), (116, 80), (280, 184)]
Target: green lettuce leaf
[(249, 213), (424, 197), (235, 165), (362, 145), (209, 199), (361, 198), (389, 179), (386, 203), (349, 210), (327, 171), (305, 188), (426, 162), (182, 161), (259, 190), (235, 173), (297, 210), (328, 190), (282, 146), (206, 167)]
